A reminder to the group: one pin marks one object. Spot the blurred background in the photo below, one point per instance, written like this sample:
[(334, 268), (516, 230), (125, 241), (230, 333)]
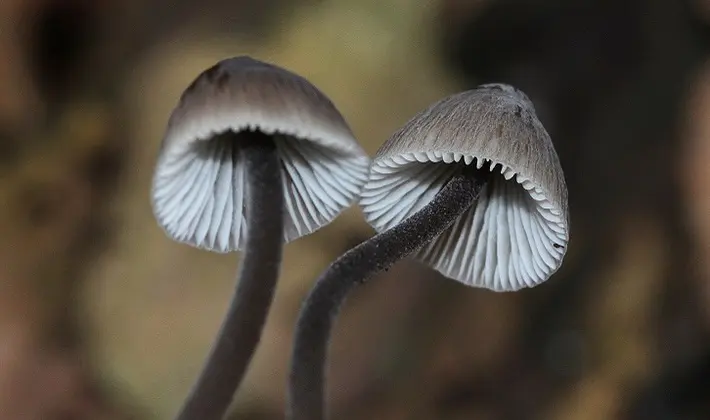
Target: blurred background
[(103, 317)]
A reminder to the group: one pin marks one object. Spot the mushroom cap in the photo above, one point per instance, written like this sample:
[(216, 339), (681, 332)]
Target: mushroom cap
[(515, 235), (199, 185)]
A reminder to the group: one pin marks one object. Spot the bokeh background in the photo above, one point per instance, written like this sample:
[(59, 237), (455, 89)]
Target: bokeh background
[(103, 317)]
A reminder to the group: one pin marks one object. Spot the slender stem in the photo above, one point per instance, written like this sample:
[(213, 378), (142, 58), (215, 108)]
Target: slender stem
[(241, 330), (306, 387)]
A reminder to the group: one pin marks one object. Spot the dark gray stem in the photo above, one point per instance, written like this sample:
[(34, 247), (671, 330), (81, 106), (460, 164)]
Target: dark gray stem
[(307, 378), (241, 330)]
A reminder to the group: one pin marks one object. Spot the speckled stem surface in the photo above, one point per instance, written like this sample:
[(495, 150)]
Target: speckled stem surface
[(241, 330), (306, 399)]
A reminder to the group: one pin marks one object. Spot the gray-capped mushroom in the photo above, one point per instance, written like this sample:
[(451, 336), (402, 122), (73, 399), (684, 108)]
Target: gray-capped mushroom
[(515, 235), (472, 186), (254, 156), (199, 185)]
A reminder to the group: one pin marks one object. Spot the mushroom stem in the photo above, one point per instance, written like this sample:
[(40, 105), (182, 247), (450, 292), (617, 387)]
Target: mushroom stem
[(307, 377), (241, 330)]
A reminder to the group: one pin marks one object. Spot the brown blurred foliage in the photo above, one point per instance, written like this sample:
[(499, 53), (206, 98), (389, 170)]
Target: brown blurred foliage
[(102, 317)]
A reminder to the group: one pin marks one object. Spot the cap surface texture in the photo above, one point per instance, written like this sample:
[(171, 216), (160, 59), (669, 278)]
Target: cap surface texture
[(515, 235), (199, 190)]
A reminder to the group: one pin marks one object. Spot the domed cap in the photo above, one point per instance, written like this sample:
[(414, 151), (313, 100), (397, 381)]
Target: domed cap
[(515, 235), (198, 191)]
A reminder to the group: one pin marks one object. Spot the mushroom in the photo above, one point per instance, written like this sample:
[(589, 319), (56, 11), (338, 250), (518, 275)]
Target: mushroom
[(471, 186), (254, 156)]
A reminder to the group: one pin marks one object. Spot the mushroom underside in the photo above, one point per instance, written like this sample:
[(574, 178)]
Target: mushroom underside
[(199, 196), (512, 237)]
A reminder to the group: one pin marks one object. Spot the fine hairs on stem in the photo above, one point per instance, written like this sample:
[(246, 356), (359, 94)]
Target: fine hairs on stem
[(307, 377), (241, 330)]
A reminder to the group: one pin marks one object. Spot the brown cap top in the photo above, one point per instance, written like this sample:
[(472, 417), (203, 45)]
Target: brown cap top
[(516, 234), (198, 188)]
